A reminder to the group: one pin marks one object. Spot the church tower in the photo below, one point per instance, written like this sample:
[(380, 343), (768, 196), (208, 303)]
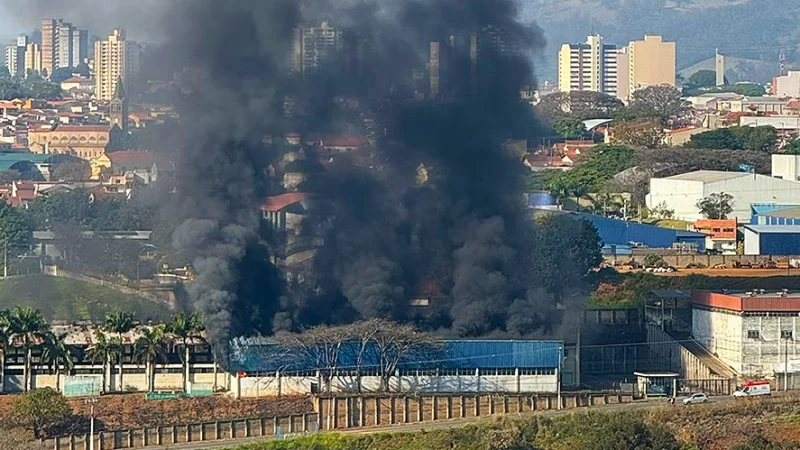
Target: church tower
[(118, 109)]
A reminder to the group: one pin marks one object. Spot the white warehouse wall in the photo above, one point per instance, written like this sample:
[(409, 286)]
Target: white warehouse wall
[(679, 195), (720, 333)]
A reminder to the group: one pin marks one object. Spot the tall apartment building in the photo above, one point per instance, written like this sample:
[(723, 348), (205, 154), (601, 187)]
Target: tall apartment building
[(63, 45), (588, 67), (114, 59), (49, 43), (33, 58), (315, 47), (649, 62), (15, 57)]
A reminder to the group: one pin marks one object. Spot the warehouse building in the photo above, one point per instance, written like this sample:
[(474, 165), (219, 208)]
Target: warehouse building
[(771, 240), (618, 234), (774, 214), (459, 366), (752, 332), (681, 193)]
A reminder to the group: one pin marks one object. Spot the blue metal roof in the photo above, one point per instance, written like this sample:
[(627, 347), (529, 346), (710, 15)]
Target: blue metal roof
[(253, 355), (620, 232)]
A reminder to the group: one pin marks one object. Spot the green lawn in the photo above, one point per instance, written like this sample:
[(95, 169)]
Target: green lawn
[(66, 299)]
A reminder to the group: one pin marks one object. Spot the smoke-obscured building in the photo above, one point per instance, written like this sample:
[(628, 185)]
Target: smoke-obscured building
[(314, 47), (15, 57), (115, 59)]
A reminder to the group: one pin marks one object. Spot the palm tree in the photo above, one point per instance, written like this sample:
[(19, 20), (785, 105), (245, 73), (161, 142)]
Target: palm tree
[(104, 350), (119, 322), (29, 328), (5, 338), (151, 347), (184, 328), (57, 353)]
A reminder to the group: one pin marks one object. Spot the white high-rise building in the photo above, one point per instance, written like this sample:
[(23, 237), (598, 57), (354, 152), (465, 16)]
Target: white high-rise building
[(15, 57), (588, 67), (314, 47), (114, 59)]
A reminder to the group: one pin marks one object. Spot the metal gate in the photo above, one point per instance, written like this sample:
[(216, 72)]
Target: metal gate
[(717, 386)]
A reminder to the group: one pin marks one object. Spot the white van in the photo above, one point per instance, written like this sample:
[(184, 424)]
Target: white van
[(753, 389)]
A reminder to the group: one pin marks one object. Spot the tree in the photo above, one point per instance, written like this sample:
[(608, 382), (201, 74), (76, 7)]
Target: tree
[(151, 347), (761, 139), (664, 102), (603, 162), (119, 322), (396, 343), (57, 354), (320, 347), (5, 340), (185, 328), (67, 208), (11, 88), (44, 90), (569, 128), (15, 229), (104, 350), (72, 171), (648, 133), (792, 147), (565, 251), (703, 78), (757, 443), (579, 105), (749, 89), (716, 206), (4, 73), (7, 176), (721, 139), (28, 329), (40, 409)]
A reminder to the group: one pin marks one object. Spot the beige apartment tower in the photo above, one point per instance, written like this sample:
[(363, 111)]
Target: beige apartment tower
[(651, 62), (114, 59), (33, 58)]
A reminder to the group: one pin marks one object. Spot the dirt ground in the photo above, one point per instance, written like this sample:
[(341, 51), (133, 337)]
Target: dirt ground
[(115, 412)]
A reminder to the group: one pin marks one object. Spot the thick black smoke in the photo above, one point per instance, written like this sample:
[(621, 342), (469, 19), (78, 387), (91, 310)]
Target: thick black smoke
[(462, 230)]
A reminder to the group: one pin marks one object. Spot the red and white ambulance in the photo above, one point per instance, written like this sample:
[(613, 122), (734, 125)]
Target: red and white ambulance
[(753, 389)]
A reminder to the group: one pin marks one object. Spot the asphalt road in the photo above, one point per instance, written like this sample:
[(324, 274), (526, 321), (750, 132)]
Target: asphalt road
[(444, 424)]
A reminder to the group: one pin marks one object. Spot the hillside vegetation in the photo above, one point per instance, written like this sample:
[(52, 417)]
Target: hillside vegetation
[(72, 300), (772, 424)]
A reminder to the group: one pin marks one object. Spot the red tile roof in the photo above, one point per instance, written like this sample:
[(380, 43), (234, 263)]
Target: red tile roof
[(136, 159), (279, 202)]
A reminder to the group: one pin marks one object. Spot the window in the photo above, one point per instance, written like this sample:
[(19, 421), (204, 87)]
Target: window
[(753, 334), (786, 334)]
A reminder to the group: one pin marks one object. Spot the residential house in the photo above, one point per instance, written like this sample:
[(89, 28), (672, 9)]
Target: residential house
[(720, 234), (680, 136), (135, 165)]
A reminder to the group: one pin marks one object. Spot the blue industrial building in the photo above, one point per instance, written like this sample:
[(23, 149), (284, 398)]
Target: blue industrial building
[(773, 214), (619, 234), (259, 355), (771, 240)]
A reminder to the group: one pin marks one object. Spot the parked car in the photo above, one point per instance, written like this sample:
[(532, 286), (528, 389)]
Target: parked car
[(695, 398)]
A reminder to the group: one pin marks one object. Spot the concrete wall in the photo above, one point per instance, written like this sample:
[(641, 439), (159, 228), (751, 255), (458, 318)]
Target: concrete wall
[(273, 385), (337, 413), (679, 261), (721, 334), (767, 354), (673, 357)]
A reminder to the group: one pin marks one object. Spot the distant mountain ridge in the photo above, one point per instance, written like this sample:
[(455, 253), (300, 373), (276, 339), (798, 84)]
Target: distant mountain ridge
[(746, 29)]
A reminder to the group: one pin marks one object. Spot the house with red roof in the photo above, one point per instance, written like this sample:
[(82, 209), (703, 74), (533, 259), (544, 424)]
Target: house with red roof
[(285, 212), (136, 165)]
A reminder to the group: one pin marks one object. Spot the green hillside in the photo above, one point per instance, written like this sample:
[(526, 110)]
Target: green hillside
[(66, 299)]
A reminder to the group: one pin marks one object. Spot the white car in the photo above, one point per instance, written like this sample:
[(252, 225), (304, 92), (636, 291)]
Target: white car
[(695, 398)]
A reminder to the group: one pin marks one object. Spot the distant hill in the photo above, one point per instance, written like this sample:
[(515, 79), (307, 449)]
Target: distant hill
[(746, 29)]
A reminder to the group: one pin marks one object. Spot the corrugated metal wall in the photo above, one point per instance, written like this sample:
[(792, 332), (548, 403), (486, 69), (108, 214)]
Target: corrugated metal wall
[(779, 243), (620, 232)]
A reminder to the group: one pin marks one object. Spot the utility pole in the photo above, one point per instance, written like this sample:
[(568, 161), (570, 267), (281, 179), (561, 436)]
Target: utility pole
[(786, 361), (5, 255), (91, 401)]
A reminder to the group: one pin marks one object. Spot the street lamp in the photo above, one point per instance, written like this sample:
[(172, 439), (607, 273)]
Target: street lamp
[(138, 258), (91, 402)]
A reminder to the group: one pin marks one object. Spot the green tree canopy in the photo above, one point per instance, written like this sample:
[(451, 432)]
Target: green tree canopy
[(578, 105), (716, 206), (761, 139), (44, 90), (703, 78), (664, 102), (569, 127), (16, 227), (603, 162), (11, 88), (40, 409), (749, 89)]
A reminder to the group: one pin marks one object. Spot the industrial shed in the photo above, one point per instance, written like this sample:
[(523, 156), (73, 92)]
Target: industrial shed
[(775, 215), (458, 366), (771, 239), (681, 193), (614, 232)]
